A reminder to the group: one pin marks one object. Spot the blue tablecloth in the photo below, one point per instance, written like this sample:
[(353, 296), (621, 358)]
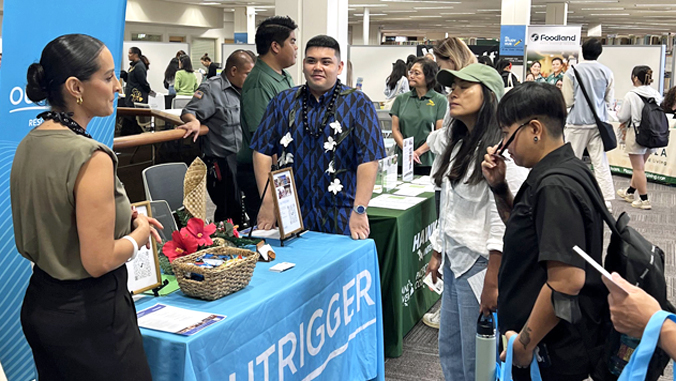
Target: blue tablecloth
[(320, 320)]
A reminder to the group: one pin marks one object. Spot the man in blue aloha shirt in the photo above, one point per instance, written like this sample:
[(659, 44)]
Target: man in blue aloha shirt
[(329, 134)]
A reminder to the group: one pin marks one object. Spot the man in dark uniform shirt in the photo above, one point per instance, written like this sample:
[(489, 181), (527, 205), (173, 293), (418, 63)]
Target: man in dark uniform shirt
[(216, 103)]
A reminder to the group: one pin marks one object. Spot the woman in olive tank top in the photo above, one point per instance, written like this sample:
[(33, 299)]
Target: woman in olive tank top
[(73, 220)]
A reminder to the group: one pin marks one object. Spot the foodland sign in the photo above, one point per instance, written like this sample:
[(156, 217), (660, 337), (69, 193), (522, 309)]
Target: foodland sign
[(553, 37)]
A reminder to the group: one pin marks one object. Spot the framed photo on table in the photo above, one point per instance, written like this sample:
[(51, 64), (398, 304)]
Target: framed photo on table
[(287, 207), (144, 270)]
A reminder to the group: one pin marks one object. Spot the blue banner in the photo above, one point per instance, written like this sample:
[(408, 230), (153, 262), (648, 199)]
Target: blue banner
[(21, 47), (512, 40)]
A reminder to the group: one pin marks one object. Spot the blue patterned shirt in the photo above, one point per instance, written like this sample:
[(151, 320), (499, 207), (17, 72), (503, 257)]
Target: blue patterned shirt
[(322, 210)]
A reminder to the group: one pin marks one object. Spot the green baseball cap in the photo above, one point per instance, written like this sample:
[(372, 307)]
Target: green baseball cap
[(478, 73)]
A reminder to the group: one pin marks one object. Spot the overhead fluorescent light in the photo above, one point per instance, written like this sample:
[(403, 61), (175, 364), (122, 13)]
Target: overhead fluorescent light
[(609, 14), (593, 1), (368, 5), (654, 5), (431, 8), (456, 13), (427, 16), (422, 1), (660, 11), (539, 6), (488, 10), (402, 11), (603, 9), (372, 14)]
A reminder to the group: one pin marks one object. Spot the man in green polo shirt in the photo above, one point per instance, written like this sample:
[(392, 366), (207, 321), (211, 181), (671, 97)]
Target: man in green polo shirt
[(276, 46), (557, 75)]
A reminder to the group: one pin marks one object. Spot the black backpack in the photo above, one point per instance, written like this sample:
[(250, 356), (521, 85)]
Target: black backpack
[(638, 261), (653, 131)]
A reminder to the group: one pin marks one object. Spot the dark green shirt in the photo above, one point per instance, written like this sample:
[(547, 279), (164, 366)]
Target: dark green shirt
[(553, 78), (418, 117), (261, 85)]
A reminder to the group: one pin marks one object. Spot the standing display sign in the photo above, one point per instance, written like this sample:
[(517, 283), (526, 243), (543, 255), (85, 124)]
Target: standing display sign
[(144, 270), (407, 160), (548, 42), (287, 207), (101, 19), (513, 43)]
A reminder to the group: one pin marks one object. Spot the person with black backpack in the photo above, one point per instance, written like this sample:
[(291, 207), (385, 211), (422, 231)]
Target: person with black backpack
[(643, 121), (547, 295)]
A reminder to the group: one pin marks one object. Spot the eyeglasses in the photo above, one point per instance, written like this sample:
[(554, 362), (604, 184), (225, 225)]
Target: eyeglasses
[(415, 73), (504, 146)]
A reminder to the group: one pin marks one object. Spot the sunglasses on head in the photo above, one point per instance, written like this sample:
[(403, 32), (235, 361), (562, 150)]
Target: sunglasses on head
[(504, 144)]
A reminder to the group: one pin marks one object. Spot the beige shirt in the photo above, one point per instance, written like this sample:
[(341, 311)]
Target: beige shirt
[(45, 168)]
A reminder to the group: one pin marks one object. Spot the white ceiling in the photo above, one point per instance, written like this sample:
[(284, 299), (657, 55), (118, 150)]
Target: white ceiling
[(481, 18)]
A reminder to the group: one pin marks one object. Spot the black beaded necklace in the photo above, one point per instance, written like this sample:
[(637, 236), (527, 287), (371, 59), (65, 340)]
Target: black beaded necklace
[(317, 132), (65, 119)]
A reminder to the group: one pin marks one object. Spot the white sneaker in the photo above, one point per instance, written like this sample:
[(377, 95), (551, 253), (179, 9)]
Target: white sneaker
[(431, 319), (640, 204), (628, 197)]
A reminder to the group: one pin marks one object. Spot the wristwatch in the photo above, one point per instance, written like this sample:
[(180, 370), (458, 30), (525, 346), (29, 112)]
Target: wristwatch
[(359, 209)]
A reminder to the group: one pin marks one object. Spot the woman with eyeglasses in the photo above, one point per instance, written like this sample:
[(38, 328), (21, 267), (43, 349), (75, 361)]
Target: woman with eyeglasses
[(418, 112), (548, 297), (470, 231)]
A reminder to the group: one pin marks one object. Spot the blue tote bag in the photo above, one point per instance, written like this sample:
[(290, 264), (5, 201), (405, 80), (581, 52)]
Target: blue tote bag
[(637, 367), (504, 369)]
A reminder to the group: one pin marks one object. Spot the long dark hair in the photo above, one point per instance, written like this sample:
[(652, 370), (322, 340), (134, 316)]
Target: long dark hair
[(70, 55), (186, 64), (140, 55), (486, 133), (398, 71), (172, 68)]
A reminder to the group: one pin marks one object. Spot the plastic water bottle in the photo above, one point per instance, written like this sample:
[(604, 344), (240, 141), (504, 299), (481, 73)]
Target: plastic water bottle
[(621, 356), (486, 348)]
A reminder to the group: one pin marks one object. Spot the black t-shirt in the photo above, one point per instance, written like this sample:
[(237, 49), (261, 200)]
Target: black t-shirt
[(550, 216), (212, 69)]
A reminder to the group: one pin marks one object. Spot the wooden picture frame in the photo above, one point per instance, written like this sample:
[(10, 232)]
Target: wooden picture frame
[(144, 270), (287, 207)]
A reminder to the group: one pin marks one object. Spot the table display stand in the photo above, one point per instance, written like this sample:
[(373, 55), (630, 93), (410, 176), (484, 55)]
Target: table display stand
[(292, 236), (156, 290)]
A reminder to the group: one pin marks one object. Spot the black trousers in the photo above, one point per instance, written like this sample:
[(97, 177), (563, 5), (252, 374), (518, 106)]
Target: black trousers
[(223, 189), (84, 329), (246, 179)]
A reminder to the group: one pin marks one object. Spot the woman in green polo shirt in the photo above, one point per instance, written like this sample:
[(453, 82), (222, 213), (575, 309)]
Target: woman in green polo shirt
[(419, 112)]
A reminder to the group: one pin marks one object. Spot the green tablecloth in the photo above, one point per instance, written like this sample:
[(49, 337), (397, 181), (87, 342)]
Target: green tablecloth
[(404, 250)]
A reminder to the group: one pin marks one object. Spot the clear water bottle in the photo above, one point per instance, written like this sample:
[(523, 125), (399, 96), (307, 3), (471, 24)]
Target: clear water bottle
[(620, 357), (486, 348)]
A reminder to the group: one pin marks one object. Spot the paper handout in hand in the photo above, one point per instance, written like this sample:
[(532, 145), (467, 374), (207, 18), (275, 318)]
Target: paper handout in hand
[(614, 285)]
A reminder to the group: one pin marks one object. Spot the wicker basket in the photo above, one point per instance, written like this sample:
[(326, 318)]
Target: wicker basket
[(218, 282)]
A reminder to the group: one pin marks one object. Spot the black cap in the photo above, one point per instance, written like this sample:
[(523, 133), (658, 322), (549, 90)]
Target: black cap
[(485, 325)]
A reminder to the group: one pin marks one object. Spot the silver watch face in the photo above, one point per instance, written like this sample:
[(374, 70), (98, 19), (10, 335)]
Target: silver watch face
[(361, 209)]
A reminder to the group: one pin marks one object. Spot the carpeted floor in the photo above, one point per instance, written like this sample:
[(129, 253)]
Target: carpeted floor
[(420, 359)]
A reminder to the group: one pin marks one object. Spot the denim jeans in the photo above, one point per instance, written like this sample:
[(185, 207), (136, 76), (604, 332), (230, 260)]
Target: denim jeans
[(457, 327)]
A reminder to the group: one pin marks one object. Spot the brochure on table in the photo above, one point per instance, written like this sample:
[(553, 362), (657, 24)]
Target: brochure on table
[(407, 162), (180, 321), (390, 201), (144, 270)]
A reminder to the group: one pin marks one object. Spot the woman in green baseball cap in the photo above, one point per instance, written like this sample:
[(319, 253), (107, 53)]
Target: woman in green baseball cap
[(470, 230)]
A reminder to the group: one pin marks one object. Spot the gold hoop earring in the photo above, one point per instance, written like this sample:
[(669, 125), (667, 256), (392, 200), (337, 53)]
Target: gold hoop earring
[(79, 100)]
